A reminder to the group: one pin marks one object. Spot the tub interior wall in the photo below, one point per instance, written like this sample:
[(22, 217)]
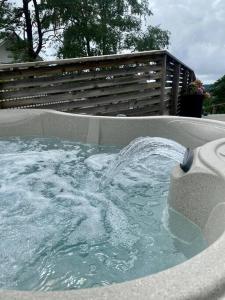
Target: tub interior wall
[(103, 130), (196, 196), (199, 196)]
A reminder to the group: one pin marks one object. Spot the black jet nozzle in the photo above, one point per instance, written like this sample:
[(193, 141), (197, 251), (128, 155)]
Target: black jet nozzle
[(188, 160)]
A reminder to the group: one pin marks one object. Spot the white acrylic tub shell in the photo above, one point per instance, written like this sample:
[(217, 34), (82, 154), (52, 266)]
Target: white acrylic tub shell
[(198, 194)]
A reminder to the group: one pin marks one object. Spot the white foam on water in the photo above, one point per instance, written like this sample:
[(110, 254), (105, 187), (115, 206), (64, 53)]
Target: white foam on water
[(99, 162)]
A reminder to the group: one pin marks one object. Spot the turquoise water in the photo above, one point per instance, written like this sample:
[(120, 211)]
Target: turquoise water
[(77, 216)]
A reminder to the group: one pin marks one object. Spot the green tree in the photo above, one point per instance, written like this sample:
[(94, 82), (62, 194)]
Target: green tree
[(4, 8), (154, 38), (218, 95), (100, 27), (79, 27), (26, 25)]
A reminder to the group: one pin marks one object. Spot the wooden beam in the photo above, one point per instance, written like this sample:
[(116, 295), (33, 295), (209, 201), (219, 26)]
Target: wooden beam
[(185, 81), (175, 89), (146, 55), (163, 85)]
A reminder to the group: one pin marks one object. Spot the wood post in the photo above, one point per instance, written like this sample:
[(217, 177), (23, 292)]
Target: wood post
[(175, 89), (192, 76), (185, 81), (163, 85)]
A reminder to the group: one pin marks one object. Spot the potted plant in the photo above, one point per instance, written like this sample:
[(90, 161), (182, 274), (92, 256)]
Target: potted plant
[(192, 100)]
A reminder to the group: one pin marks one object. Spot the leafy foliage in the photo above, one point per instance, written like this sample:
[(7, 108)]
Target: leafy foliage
[(218, 95), (25, 25), (218, 90), (153, 39), (80, 27), (7, 13), (99, 27)]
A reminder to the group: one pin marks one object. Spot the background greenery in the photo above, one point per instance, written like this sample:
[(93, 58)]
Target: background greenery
[(216, 104), (79, 27)]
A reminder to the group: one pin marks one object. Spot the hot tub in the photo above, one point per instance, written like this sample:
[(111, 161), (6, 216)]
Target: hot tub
[(198, 194)]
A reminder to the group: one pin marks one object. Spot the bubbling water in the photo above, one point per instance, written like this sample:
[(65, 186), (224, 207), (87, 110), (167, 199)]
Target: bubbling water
[(141, 149), (77, 216)]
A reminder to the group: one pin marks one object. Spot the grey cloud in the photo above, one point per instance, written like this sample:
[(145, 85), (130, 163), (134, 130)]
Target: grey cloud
[(197, 33)]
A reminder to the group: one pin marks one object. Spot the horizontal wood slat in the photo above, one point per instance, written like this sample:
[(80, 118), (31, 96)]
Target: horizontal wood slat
[(147, 55), (73, 87), (147, 110), (73, 102), (115, 107), (77, 77), (90, 93), (18, 73)]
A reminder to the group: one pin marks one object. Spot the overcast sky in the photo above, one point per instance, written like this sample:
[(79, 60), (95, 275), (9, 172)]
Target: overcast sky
[(197, 33)]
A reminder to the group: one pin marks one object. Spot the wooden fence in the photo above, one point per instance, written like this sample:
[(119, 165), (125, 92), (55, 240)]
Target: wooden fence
[(144, 83)]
